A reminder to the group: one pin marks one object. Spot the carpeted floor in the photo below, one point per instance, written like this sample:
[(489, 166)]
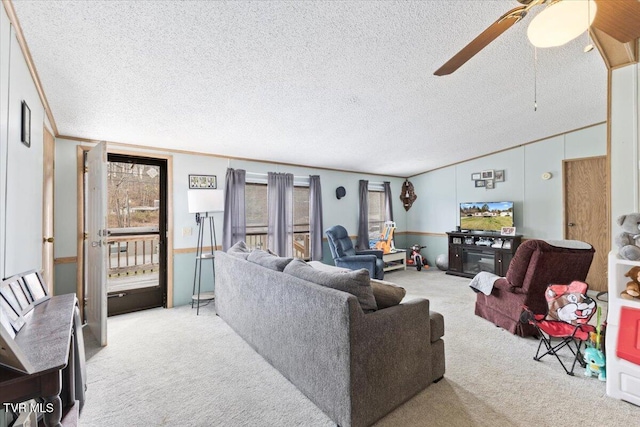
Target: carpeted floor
[(171, 367)]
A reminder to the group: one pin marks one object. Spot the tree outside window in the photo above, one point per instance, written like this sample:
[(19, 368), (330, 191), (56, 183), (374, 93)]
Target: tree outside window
[(376, 213), (257, 220)]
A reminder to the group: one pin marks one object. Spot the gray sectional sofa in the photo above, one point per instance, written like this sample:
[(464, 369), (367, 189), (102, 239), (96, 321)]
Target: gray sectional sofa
[(355, 366)]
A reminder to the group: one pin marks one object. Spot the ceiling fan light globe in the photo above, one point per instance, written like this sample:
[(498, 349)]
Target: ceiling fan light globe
[(561, 22)]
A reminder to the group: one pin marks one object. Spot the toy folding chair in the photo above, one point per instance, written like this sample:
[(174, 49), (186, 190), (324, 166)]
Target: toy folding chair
[(569, 311)]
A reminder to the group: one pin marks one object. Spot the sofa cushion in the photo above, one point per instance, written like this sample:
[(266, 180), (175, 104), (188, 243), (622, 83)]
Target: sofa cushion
[(436, 320), (355, 282), (387, 294), (240, 250), (265, 259)]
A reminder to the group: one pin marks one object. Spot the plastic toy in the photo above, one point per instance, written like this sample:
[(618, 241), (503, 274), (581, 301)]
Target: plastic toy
[(595, 363), (416, 258), (385, 244), (593, 355)]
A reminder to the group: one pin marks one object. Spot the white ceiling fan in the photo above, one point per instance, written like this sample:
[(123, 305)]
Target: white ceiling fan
[(618, 18)]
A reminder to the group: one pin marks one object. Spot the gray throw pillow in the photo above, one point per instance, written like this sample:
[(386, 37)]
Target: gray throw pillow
[(355, 282), (265, 259), (240, 250), (387, 294)]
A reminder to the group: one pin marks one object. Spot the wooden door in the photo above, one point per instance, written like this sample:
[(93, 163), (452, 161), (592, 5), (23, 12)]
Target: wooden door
[(96, 308), (586, 207), (47, 210)]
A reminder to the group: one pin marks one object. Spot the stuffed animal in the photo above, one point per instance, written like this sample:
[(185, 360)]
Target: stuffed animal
[(628, 241), (569, 303), (595, 363), (633, 287)]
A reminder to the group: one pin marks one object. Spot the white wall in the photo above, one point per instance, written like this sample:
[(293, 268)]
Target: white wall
[(537, 203), (343, 211), (21, 190), (625, 142), (5, 43)]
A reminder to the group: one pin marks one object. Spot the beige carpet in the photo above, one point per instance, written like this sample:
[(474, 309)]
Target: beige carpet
[(171, 367)]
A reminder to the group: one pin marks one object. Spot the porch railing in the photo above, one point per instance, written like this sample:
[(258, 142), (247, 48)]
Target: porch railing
[(137, 254), (257, 238)]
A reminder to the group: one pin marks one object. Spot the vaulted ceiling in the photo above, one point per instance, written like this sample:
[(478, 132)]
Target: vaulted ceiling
[(335, 84)]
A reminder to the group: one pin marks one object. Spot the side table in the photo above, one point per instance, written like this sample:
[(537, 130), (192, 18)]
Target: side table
[(395, 260)]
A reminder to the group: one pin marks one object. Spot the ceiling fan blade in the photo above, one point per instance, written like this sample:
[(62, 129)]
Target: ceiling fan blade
[(487, 36), (620, 19)]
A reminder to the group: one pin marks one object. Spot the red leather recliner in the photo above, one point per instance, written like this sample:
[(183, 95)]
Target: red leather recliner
[(535, 265)]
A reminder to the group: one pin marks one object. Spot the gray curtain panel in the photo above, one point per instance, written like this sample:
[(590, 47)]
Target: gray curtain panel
[(234, 228), (315, 217), (363, 216), (388, 207), (280, 213)]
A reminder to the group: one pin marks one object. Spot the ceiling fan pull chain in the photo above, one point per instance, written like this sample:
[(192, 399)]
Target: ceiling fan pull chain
[(535, 78)]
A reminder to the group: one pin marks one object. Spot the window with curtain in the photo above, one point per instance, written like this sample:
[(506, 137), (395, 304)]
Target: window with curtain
[(376, 212), (257, 220)]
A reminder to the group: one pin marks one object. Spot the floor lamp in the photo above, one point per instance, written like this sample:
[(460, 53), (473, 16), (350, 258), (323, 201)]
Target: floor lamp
[(204, 203)]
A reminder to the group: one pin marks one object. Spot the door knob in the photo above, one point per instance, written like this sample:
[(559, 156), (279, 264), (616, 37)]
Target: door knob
[(96, 244), (571, 224), (47, 239)]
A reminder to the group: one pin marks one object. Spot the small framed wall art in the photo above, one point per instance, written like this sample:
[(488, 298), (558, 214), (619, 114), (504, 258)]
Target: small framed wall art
[(203, 181), (498, 176), (508, 231), (480, 183), (25, 134), (489, 184), (488, 174), (475, 176)]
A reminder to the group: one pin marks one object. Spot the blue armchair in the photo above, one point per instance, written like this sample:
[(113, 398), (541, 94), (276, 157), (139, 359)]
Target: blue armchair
[(344, 255)]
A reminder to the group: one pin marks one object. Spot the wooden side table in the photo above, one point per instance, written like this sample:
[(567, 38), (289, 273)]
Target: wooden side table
[(396, 260)]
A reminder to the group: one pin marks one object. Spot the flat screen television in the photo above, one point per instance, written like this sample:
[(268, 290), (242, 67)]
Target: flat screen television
[(486, 216)]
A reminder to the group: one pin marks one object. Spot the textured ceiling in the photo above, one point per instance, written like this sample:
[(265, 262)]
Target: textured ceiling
[(336, 84)]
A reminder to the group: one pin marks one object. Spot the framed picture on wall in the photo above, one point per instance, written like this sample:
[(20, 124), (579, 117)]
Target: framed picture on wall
[(498, 176), (489, 184), (508, 231), (480, 183), (488, 174), (203, 182), (475, 176)]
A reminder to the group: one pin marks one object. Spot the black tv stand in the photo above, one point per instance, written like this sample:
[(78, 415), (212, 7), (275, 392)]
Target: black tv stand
[(471, 252)]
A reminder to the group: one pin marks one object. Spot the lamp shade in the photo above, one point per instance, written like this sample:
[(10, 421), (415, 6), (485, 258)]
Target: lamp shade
[(561, 22), (201, 201)]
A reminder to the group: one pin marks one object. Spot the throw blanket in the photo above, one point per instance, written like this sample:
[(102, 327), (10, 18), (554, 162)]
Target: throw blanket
[(483, 282)]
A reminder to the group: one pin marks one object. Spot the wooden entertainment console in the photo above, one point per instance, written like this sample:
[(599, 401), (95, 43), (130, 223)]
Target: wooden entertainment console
[(472, 252)]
